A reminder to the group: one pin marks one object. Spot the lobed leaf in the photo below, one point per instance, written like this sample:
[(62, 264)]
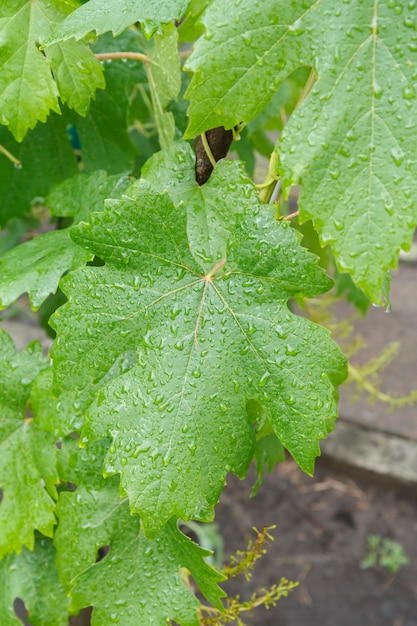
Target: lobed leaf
[(351, 143), (139, 581), (199, 351), (241, 60)]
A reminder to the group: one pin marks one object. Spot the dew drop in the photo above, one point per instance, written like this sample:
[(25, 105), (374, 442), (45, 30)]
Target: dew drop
[(397, 155), (378, 91), (264, 378), (409, 92), (338, 224)]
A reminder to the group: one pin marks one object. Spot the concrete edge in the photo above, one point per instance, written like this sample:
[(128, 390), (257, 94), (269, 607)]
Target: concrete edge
[(380, 454)]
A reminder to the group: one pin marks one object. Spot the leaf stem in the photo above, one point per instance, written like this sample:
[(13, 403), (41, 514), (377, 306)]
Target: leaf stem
[(208, 149), (312, 77), (10, 156), (136, 56), (268, 186)]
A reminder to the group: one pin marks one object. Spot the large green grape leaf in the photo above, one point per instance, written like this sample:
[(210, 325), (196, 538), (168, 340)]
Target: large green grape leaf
[(27, 453), (33, 577), (350, 144), (117, 15), (28, 89), (139, 581), (205, 344), (37, 265), (46, 158), (211, 215)]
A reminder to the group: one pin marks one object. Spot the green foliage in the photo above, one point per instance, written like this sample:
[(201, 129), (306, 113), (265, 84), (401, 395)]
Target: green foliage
[(26, 576), (384, 552), (27, 453), (37, 265), (243, 563), (42, 161), (29, 91), (178, 358)]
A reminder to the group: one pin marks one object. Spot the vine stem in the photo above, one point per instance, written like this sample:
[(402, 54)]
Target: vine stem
[(354, 374), (291, 216), (10, 156), (136, 56)]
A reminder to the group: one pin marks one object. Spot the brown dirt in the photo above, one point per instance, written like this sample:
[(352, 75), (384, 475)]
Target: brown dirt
[(320, 540)]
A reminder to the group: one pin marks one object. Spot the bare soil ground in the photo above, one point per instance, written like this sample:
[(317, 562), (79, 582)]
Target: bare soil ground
[(321, 539)]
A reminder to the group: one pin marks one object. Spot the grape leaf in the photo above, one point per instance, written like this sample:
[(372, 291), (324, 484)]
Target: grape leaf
[(46, 158), (351, 142), (354, 148), (218, 198), (33, 577), (117, 15), (37, 265), (205, 344), (26, 452), (78, 74), (28, 91), (139, 581)]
